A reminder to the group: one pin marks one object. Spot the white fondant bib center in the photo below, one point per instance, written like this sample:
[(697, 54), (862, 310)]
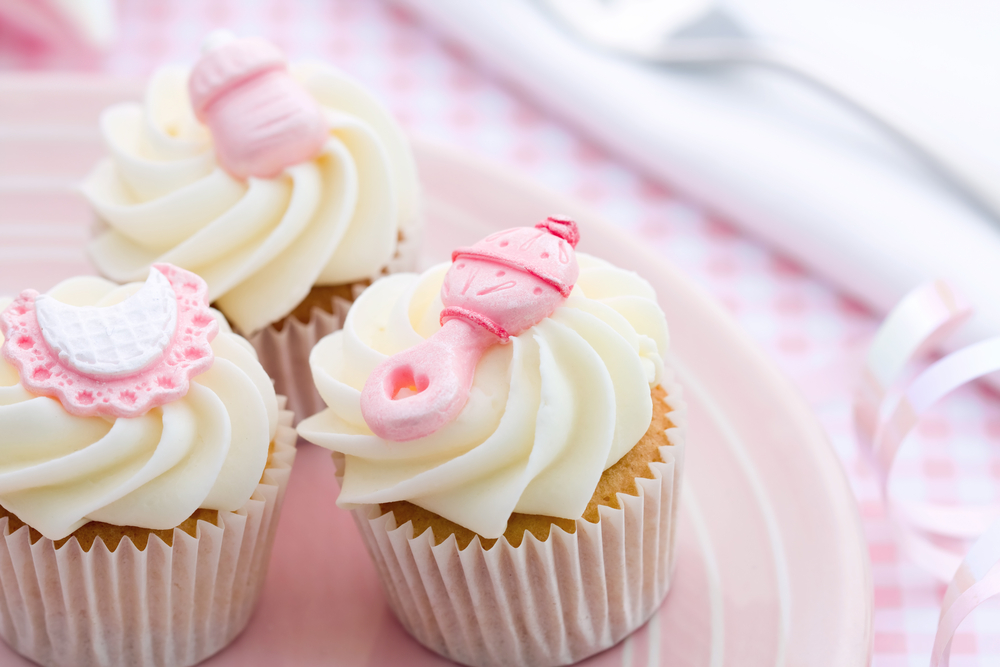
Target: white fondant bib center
[(115, 341)]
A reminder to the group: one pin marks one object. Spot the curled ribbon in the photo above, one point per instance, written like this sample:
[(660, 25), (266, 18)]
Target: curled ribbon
[(887, 409)]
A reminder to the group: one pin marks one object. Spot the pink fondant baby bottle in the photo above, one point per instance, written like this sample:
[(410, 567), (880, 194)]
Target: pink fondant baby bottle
[(261, 119)]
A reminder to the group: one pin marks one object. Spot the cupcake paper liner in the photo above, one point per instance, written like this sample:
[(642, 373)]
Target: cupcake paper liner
[(163, 605), (285, 354), (544, 603)]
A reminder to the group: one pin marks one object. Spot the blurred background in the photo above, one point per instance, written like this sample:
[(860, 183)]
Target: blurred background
[(806, 219)]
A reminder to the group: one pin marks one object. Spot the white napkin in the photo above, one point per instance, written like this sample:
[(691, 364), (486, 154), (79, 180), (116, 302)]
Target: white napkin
[(783, 163)]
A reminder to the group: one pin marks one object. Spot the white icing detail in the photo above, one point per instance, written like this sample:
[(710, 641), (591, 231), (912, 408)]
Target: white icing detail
[(116, 341)]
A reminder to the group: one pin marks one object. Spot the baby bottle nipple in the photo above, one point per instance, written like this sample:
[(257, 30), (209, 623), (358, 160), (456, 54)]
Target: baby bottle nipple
[(261, 119), (498, 288)]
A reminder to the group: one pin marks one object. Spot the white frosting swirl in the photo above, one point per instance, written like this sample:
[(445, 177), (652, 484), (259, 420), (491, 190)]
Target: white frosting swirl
[(262, 244), (547, 414), (208, 449)]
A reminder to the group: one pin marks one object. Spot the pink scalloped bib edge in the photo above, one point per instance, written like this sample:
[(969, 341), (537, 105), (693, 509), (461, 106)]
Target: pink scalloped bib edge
[(58, 370)]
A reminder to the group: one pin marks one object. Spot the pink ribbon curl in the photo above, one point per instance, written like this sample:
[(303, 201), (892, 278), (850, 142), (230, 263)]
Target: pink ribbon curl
[(886, 410)]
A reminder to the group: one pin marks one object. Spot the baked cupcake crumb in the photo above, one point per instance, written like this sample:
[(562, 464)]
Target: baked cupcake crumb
[(619, 478), (112, 535), (322, 297)]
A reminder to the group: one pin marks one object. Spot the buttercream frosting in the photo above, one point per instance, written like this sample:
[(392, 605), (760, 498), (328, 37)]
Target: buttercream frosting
[(260, 244), (546, 415), (208, 449)]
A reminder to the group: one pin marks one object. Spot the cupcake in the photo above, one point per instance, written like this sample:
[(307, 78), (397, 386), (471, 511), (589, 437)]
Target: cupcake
[(510, 444), (144, 463), (288, 190)]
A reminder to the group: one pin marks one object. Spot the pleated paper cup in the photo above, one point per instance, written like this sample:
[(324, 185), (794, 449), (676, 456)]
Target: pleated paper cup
[(164, 606), (285, 354), (543, 603)]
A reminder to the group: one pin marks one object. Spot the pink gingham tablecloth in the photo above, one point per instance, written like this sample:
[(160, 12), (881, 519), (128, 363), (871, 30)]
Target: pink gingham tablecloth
[(814, 334)]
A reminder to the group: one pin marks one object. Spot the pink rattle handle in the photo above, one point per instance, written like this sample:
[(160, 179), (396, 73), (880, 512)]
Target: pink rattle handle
[(418, 391), (498, 288)]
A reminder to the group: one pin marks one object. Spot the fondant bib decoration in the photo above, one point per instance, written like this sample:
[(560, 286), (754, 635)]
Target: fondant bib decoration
[(120, 360), (115, 341), (495, 289), (261, 119)]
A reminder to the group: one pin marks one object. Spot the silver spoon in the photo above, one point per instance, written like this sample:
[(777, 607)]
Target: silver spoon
[(704, 32)]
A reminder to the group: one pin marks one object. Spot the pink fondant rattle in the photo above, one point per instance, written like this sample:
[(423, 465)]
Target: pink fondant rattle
[(120, 360), (262, 120), (501, 286)]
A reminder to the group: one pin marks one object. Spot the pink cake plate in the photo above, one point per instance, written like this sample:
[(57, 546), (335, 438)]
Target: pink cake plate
[(772, 565)]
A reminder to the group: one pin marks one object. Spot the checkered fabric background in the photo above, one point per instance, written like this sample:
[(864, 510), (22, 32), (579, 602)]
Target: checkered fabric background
[(812, 332)]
